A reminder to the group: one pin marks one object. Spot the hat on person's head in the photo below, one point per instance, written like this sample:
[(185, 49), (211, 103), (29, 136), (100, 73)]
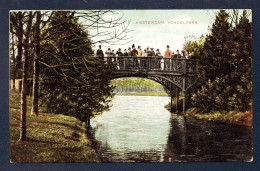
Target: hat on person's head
[(167, 46)]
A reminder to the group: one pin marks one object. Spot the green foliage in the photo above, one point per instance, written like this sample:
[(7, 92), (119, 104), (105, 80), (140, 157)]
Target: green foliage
[(224, 66), (72, 81)]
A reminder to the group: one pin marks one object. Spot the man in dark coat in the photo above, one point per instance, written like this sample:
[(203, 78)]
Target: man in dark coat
[(100, 52), (119, 53)]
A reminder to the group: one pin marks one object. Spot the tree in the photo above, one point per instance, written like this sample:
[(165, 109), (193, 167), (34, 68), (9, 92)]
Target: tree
[(93, 20), (30, 41), (224, 69), (35, 110), (17, 32), (26, 46), (241, 64), (72, 81)]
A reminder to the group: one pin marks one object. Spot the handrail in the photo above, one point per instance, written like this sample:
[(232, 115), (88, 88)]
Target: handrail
[(152, 63)]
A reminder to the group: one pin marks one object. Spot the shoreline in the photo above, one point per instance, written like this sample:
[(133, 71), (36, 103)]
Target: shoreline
[(142, 94), (228, 117)]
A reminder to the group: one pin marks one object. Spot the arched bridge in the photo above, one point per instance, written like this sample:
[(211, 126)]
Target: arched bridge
[(169, 72)]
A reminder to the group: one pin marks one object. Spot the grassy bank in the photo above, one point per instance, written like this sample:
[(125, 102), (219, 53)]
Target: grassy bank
[(51, 137), (231, 117), (142, 93)]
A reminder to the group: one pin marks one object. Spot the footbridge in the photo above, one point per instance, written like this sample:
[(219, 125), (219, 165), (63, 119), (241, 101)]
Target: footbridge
[(178, 73)]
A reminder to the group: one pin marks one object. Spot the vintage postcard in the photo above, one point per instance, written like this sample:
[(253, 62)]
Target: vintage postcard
[(130, 86)]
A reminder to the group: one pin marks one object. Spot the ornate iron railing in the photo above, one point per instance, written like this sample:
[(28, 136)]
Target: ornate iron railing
[(152, 63)]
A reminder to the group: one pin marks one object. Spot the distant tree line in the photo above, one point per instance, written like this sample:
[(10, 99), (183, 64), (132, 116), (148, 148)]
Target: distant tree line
[(137, 85)]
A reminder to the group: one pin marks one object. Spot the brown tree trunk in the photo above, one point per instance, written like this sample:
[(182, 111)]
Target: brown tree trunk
[(23, 97), (13, 62), (35, 110), (24, 80), (20, 39)]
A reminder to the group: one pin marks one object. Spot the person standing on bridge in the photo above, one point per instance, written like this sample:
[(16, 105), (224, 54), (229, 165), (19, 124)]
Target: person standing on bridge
[(139, 54), (113, 53), (119, 53), (128, 61), (100, 52), (167, 55), (129, 51), (109, 55), (125, 53), (108, 52), (148, 51), (152, 52), (134, 52), (158, 59), (158, 53), (183, 54), (144, 54), (178, 54)]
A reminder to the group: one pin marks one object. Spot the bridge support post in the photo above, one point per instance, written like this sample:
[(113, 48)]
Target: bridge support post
[(171, 104), (177, 99), (171, 93), (183, 101), (183, 90)]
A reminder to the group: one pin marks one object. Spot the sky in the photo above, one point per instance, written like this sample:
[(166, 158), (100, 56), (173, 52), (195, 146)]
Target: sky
[(167, 32)]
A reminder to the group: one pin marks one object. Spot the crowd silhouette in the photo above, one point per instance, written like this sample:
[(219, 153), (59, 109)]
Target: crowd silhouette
[(148, 52)]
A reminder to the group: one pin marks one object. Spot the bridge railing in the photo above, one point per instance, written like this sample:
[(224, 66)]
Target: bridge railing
[(152, 63)]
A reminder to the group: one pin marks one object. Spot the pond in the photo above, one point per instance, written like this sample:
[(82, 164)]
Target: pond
[(140, 129)]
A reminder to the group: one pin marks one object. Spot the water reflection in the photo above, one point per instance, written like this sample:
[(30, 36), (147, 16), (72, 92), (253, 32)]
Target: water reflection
[(139, 129), (206, 141)]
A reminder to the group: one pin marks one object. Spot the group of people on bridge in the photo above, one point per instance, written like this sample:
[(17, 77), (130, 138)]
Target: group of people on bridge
[(148, 52), (132, 59)]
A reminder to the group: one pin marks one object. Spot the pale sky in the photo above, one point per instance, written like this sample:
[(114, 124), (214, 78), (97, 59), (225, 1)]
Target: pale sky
[(161, 35)]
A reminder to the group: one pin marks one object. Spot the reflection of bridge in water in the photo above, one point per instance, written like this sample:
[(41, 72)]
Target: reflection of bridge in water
[(169, 72)]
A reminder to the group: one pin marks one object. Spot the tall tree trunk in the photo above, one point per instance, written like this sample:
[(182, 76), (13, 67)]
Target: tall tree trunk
[(24, 80), (13, 62), (20, 39), (35, 110)]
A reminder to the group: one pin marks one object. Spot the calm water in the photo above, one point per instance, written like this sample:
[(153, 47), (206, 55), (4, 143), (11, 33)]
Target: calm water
[(140, 129)]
